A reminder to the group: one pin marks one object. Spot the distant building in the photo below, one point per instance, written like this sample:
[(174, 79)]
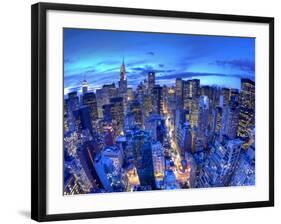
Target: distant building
[(89, 98), (123, 86), (179, 89), (136, 109), (117, 112), (85, 86), (157, 99), (83, 118), (151, 81), (103, 96), (130, 94)]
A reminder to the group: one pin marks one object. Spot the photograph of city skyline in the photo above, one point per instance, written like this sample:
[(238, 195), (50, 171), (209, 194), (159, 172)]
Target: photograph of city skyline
[(157, 111)]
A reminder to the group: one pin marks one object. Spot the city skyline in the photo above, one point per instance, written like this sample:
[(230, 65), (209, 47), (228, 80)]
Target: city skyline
[(212, 59), (147, 133)]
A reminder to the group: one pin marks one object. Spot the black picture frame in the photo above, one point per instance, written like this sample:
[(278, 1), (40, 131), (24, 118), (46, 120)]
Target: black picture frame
[(39, 122)]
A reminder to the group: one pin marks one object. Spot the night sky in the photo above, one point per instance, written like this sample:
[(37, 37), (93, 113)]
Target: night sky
[(97, 56)]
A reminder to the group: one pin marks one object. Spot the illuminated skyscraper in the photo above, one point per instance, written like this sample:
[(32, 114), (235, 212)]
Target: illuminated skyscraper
[(151, 81), (72, 101), (194, 113), (179, 89), (86, 154), (123, 86), (123, 79), (234, 95), (191, 88), (103, 95), (247, 108), (203, 115), (83, 119), (216, 120), (155, 126), (226, 96), (220, 164), (184, 138), (157, 99), (206, 91), (136, 110), (84, 86), (142, 152), (108, 165), (147, 106), (130, 93), (230, 119), (71, 184), (117, 112), (158, 160), (89, 98)]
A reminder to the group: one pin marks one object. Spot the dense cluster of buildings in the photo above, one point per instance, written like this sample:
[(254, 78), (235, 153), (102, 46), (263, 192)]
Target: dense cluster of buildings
[(152, 137)]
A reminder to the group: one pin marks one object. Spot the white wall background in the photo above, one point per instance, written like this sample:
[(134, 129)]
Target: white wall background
[(15, 109)]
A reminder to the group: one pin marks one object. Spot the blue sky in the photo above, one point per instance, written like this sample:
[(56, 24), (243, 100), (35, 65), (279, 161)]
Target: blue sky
[(98, 54)]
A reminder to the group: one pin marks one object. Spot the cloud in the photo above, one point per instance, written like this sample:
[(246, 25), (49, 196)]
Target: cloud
[(151, 53), (195, 74), (243, 65), (108, 62), (147, 68)]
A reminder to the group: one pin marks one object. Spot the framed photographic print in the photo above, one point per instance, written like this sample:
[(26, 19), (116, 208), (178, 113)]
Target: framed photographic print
[(138, 111)]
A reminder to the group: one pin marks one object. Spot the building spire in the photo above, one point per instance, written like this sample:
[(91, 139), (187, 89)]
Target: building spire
[(123, 70), (85, 85)]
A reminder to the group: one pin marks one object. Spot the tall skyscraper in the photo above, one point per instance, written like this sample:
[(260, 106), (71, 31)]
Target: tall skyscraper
[(123, 86), (84, 86), (142, 152), (219, 165), (230, 119), (184, 138), (203, 115), (83, 119), (191, 88), (151, 81), (194, 112), (179, 89), (158, 160), (216, 121), (147, 106), (225, 95), (117, 112), (136, 110), (89, 98), (103, 95), (72, 101), (247, 108), (86, 154), (157, 99), (108, 165), (155, 126)]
